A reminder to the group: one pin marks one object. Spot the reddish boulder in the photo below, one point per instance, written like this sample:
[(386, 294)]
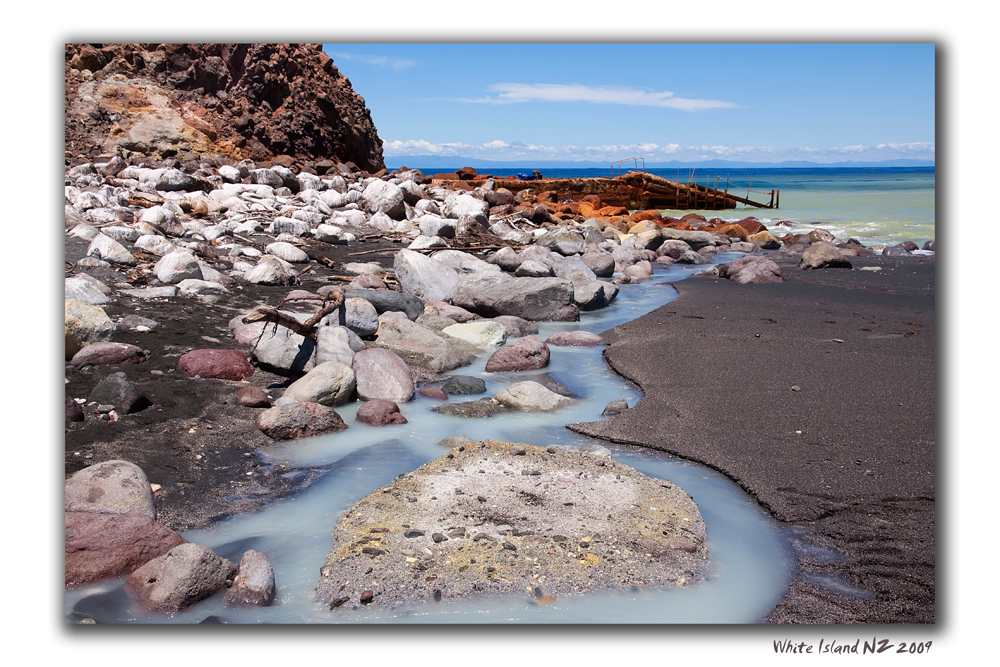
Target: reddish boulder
[(220, 364), (99, 353), (732, 230), (528, 354), (751, 225), (381, 373), (795, 239), (99, 546), (823, 236), (610, 211), (253, 397), (679, 225), (295, 421), (433, 392), (651, 214), (549, 196), (574, 338), (380, 412), (367, 281), (466, 173)]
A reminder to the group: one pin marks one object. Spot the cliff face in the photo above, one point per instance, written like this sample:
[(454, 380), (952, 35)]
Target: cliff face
[(254, 101)]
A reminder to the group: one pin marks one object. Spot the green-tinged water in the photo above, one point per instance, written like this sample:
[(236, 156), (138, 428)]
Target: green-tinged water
[(875, 206)]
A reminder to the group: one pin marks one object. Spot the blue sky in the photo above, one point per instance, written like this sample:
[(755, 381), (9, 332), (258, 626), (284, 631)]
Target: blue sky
[(601, 102)]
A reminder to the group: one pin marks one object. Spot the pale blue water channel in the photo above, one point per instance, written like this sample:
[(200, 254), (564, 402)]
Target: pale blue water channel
[(752, 556)]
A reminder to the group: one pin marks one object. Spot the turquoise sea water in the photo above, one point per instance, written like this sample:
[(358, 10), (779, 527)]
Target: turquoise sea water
[(875, 205)]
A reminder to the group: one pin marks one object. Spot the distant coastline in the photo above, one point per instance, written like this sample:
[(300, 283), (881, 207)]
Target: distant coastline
[(450, 163)]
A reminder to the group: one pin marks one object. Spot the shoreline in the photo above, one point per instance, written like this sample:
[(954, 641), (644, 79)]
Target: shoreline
[(197, 493), (766, 365)]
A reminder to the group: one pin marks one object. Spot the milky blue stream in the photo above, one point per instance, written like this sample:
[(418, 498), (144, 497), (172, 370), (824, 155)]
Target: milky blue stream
[(752, 557)]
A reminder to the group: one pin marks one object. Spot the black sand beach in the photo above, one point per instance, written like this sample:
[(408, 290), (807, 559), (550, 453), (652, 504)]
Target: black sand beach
[(817, 396)]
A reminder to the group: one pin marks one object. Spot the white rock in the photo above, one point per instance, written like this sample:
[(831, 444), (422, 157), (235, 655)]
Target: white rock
[(464, 262), (330, 383), (423, 242), (432, 225), (457, 205), (229, 174), (383, 197), (83, 231), (177, 266), (270, 270), (287, 252), (424, 277), (194, 287), (286, 225), (483, 333), (329, 234), (360, 316), (352, 218), (85, 290), (336, 342), (531, 397), (154, 244), (359, 268), (157, 215), (110, 250)]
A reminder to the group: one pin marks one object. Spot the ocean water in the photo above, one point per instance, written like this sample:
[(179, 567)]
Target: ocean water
[(875, 205)]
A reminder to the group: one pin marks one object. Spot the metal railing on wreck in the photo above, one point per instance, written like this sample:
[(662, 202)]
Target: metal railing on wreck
[(773, 196), (620, 164)]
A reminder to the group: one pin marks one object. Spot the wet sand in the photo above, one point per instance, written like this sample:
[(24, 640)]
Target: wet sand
[(817, 396)]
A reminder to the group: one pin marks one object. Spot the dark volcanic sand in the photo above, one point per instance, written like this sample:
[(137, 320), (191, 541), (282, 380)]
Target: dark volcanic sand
[(717, 367)]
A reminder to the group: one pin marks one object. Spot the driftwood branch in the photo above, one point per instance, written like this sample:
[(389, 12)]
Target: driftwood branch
[(308, 328), (369, 252), (325, 261)]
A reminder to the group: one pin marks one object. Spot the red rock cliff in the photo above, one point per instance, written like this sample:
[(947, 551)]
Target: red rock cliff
[(253, 101)]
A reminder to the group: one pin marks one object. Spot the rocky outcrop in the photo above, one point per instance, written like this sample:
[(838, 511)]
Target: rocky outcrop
[(489, 518), (256, 101)]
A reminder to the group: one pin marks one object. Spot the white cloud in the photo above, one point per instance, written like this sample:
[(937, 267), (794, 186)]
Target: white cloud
[(916, 146), (652, 152), (514, 93), (378, 61)]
